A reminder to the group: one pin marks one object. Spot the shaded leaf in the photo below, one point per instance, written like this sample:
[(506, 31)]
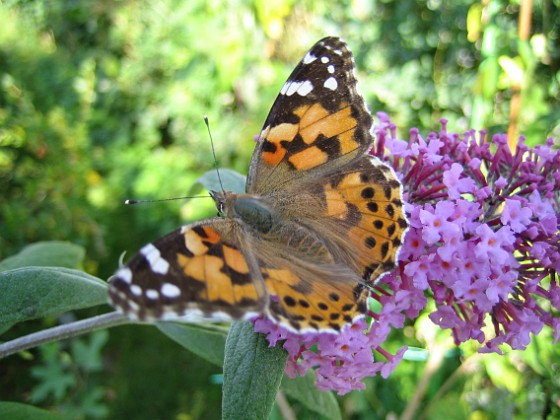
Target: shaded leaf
[(46, 254), (17, 411), (303, 389), (54, 375), (87, 351), (205, 342), (36, 292), (252, 373)]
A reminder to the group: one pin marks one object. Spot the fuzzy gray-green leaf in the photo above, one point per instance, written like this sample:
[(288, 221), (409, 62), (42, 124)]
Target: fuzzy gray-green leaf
[(252, 374), (46, 254), (36, 292)]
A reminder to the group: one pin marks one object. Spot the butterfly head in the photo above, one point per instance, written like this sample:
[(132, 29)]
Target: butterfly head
[(220, 198)]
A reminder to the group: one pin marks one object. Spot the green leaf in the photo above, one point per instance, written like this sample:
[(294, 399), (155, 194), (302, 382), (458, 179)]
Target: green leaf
[(18, 411), (231, 181), (36, 292), (46, 254), (303, 389), (252, 373), (205, 342)]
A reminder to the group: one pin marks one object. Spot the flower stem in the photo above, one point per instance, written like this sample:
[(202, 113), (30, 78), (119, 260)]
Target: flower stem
[(62, 332)]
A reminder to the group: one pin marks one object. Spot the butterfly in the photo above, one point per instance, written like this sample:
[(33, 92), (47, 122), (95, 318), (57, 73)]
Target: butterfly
[(320, 222)]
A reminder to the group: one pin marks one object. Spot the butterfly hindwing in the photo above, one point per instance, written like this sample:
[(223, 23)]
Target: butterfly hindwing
[(362, 216), (324, 298)]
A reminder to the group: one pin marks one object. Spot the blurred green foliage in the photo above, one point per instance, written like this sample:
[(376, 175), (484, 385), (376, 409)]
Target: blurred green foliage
[(102, 101)]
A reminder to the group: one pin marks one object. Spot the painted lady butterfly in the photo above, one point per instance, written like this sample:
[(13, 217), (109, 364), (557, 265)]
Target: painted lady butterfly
[(320, 221)]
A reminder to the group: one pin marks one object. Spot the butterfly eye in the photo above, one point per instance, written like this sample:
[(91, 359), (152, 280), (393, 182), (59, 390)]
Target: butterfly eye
[(220, 205)]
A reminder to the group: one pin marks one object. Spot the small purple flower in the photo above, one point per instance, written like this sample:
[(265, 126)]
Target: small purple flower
[(515, 215), (456, 183)]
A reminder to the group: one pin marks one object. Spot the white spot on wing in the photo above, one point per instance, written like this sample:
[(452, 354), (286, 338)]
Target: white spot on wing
[(294, 86), (136, 290), (331, 83), (305, 88), (330, 69), (153, 256), (152, 294), (124, 274), (284, 88), (170, 290), (325, 60), (309, 58), (196, 315), (133, 306)]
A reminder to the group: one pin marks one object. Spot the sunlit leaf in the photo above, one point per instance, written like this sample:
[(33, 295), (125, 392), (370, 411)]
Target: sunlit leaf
[(474, 22), (513, 70), (46, 254)]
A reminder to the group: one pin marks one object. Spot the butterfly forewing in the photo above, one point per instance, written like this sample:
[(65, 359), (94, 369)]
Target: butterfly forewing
[(319, 121), (197, 272)]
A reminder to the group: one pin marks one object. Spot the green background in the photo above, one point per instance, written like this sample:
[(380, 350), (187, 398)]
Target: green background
[(103, 101)]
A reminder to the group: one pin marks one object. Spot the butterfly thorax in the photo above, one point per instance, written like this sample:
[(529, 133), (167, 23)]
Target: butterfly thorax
[(269, 222), (252, 210)]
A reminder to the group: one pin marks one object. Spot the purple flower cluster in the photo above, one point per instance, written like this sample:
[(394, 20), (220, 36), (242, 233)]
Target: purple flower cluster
[(484, 244), (484, 238)]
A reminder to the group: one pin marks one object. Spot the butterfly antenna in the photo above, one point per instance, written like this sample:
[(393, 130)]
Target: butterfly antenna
[(164, 199), (214, 152)]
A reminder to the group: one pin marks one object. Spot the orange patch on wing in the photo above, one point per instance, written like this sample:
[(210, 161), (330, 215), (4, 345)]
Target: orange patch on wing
[(330, 125), (275, 135), (283, 276), (193, 242), (235, 259), (212, 236), (246, 291), (310, 114), (336, 206), (218, 284), (308, 158), (282, 132), (207, 269), (193, 267), (347, 142), (274, 158)]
